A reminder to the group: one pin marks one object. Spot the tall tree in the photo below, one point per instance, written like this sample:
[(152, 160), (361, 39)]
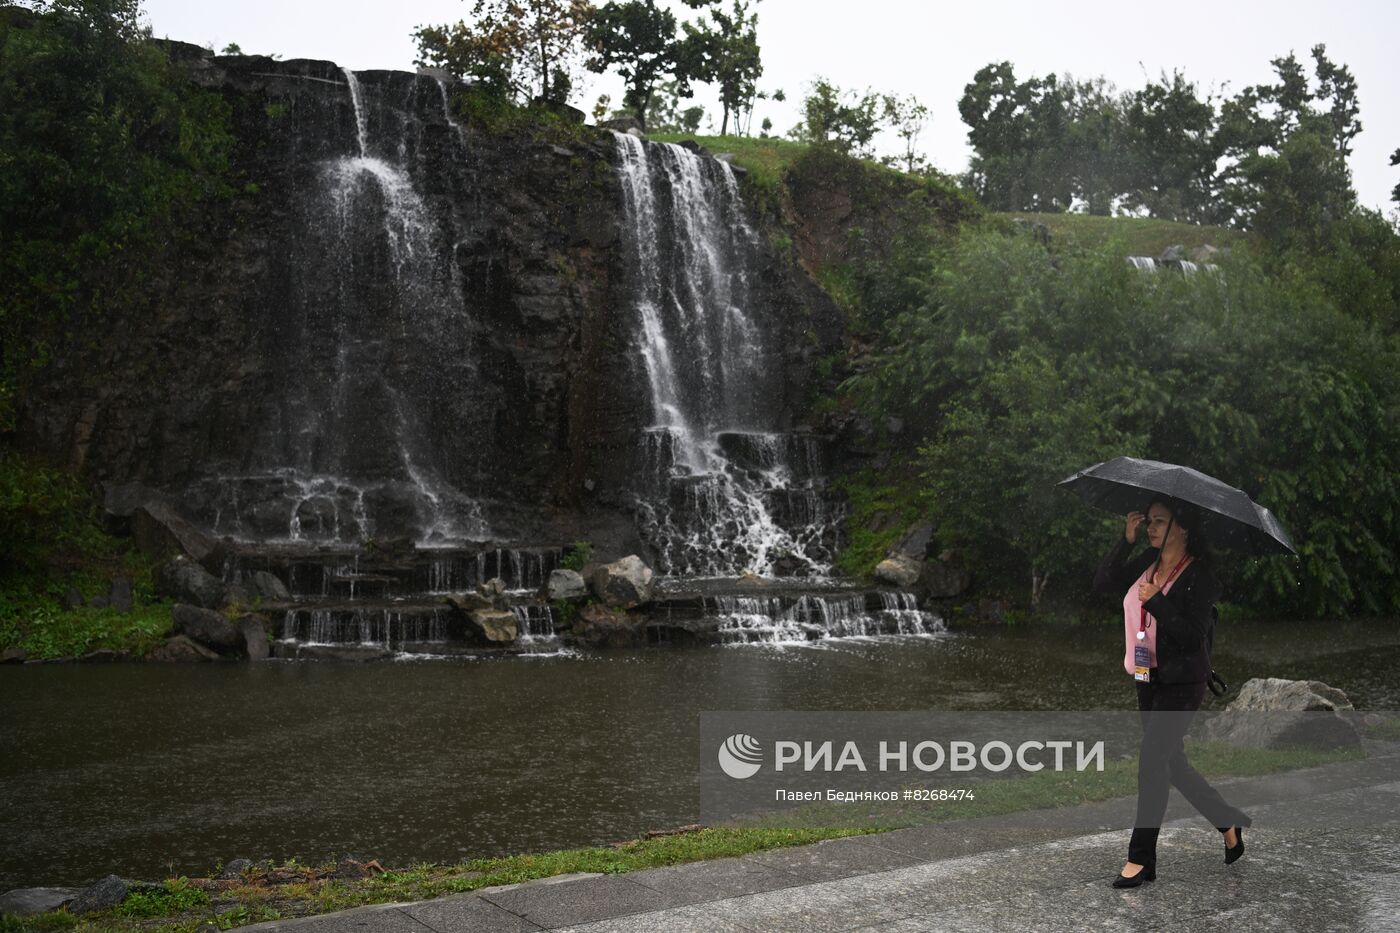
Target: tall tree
[(724, 51), (516, 47), (908, 118), (1018, 133), (1172, 151), (638, 39), (1395, 192)]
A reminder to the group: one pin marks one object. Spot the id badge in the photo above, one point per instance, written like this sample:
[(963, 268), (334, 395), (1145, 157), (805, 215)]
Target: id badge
[(1142, 658)]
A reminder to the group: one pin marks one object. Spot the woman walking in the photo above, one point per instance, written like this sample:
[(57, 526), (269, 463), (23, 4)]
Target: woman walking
[(1169, 595)]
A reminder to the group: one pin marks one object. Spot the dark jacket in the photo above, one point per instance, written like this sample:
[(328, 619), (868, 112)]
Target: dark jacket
[(1185, 616)]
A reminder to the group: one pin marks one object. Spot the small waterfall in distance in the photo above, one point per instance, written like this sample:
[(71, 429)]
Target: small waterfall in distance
[(727, 491)]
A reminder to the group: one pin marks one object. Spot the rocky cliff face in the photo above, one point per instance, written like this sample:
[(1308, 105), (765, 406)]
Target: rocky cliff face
[(404, 327)]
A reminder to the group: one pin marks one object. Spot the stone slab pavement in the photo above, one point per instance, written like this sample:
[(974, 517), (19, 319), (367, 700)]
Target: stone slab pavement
[(1321, 856)]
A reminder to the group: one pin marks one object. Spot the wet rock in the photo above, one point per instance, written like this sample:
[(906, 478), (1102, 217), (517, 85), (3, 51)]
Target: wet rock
[(270, 587), (73, 599), (602, 627), (914, 543), (1275, 713), (468, 602), (22, 902), (496, 625), (790, 565), (181, 649), (120, 596), (104, 656), (492, 588), (1172, 254), (160, 531), (623, 584), (1206, 253), (207, 627), (105, 894), (566, 584), (186, 581), (253, 629), (899, 571), (234, 870), (13, 656)]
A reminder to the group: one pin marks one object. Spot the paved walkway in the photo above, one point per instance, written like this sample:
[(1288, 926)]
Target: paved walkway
[(1321, 856)]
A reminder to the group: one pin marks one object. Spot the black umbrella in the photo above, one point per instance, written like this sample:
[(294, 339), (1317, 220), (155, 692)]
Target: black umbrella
[(1228, 516)]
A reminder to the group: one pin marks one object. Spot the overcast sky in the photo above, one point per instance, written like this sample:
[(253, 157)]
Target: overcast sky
[(927, 49)]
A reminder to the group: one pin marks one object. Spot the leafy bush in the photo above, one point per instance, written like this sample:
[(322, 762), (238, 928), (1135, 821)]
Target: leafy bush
[(1022, 367), (177, 897), (579, 554)]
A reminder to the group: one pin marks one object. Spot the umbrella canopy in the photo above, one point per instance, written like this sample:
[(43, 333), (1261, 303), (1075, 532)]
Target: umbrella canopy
[(1228, 516)]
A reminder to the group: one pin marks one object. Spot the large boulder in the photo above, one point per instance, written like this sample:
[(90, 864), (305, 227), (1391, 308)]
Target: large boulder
[(468, 602), (181, 650), (186, 581), (104, 894), (207, 627), (253, 628), (899, 570), (566, 584), (23, 902), (914, 543), (495, 625), (270, 587), (160, 531), (1272, 712), (623, 584)]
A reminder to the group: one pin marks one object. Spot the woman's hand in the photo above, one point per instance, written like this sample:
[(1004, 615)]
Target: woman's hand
[(1134, 519), (1147, 590)]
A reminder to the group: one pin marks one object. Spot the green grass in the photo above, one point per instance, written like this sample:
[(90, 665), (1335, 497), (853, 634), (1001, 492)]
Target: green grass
[(1140, 235), (766, 160)]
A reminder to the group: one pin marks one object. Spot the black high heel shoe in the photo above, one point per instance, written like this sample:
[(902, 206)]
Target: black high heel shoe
[(1148, 873), (1233, 853)]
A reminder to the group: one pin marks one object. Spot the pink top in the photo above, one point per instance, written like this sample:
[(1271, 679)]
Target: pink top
[(1132, 619)]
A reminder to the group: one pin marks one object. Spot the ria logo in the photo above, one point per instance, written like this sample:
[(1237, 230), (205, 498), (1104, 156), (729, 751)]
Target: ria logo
[(740, 756)]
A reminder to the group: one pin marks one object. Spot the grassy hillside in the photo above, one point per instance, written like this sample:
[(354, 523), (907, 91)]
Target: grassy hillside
[(1141, 236)]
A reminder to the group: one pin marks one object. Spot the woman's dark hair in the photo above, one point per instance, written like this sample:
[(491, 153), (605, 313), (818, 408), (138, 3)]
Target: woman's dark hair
[(1189, 518)]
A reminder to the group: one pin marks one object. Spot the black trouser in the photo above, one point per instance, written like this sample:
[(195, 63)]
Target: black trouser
[(1167, 712)]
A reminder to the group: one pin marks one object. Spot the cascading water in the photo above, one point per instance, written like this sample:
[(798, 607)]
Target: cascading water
[(724, 494), (376, 309)]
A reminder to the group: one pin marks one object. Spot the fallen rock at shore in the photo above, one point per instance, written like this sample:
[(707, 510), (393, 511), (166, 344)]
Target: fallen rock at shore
[(160, 531), (181, 649), (900, 571), (253, 629), (207, 627), (234, 870), (22, 902), (467, 602), (107, 893), (13, 656), (1275, 713)]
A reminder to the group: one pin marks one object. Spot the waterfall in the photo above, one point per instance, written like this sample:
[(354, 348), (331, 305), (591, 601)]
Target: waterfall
[(710, 375), (384, 345)]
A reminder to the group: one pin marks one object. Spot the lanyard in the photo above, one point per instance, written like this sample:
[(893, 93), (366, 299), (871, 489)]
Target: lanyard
[(1142, 620)]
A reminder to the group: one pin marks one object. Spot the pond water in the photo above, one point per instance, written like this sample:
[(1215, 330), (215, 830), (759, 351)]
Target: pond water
[(145, 770)]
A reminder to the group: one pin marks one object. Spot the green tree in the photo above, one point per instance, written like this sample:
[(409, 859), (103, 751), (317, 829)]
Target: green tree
[(724, 51), (638, 39), (666, 113), (907, 117), (517, 48), (1288, 179), (1395, 192), (107, 154), (1172, 152), (845, 121), (1018, 132), (1021, 366)]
